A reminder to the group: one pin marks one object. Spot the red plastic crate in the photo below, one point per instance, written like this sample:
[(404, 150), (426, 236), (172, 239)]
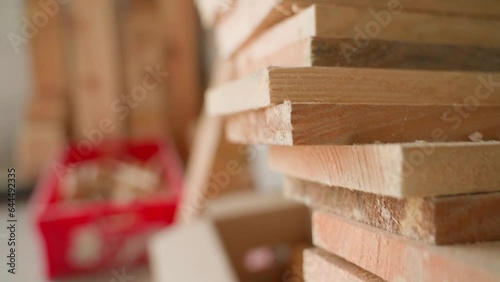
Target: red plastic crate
[(122, 229)]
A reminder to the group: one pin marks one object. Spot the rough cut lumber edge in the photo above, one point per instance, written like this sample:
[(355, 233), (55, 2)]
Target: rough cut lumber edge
[(395, 258), (321, 266), (250, 18), (96, 75), (439, 220), (399, 170), (273, 85), (338, 124)]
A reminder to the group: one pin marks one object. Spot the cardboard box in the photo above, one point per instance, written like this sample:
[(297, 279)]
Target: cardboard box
[(245, 237)]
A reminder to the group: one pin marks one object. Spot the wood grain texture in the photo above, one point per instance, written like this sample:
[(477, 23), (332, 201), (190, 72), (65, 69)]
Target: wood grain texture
[(437, 220), (399, 170), (96, 75), (273, 85), (250, 18), (143, 48), (345, 124), (395, 258), (321, 266), (316, 51)]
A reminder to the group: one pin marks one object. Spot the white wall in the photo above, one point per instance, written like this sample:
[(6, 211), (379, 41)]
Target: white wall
[(14, 78)]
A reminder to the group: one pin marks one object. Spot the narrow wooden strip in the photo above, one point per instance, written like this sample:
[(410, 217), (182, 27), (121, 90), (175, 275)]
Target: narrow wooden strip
[(96, 76), (47, 53), (316, 51), (183, 77), (440, 220), (321, 266), (271, 85), (399, 170), (250, 18), (395, 258), (320, 124), (144, 50)]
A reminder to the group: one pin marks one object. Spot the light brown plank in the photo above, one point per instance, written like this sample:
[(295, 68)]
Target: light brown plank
[(399, 170), (321, 266), (47, 53), (251, 18), (144, 48), (96, 75), (397, 259), (316, 51), (43, 130), (339, 124), (439, 220), (179, 25), (272, 85)]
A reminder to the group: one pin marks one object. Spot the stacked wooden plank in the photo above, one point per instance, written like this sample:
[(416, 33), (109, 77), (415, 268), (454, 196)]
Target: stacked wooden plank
[(384, 116)]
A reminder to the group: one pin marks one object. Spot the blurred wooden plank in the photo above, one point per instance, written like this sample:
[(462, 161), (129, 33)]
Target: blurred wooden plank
[(37, 145), (273, 85), (47, 53), (399, 170), (439, 220), (321, 266), (144, 49), (251, 18), (96, 74), (395, 258), (184, 94), (364, 123), (42, 132), (215, 168)]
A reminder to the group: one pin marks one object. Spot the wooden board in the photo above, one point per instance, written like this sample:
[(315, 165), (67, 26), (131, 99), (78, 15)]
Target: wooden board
[(273, 85), (317, 51), (399, 170), (47, 54), (394, 258), (215, 168), (96, 70), (144, 49), (179, 24), (320, 124), (250, 18), (43, 130), (321, 266), (439, 220)]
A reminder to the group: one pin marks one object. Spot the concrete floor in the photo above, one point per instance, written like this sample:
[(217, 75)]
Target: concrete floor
[(29, 265)]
